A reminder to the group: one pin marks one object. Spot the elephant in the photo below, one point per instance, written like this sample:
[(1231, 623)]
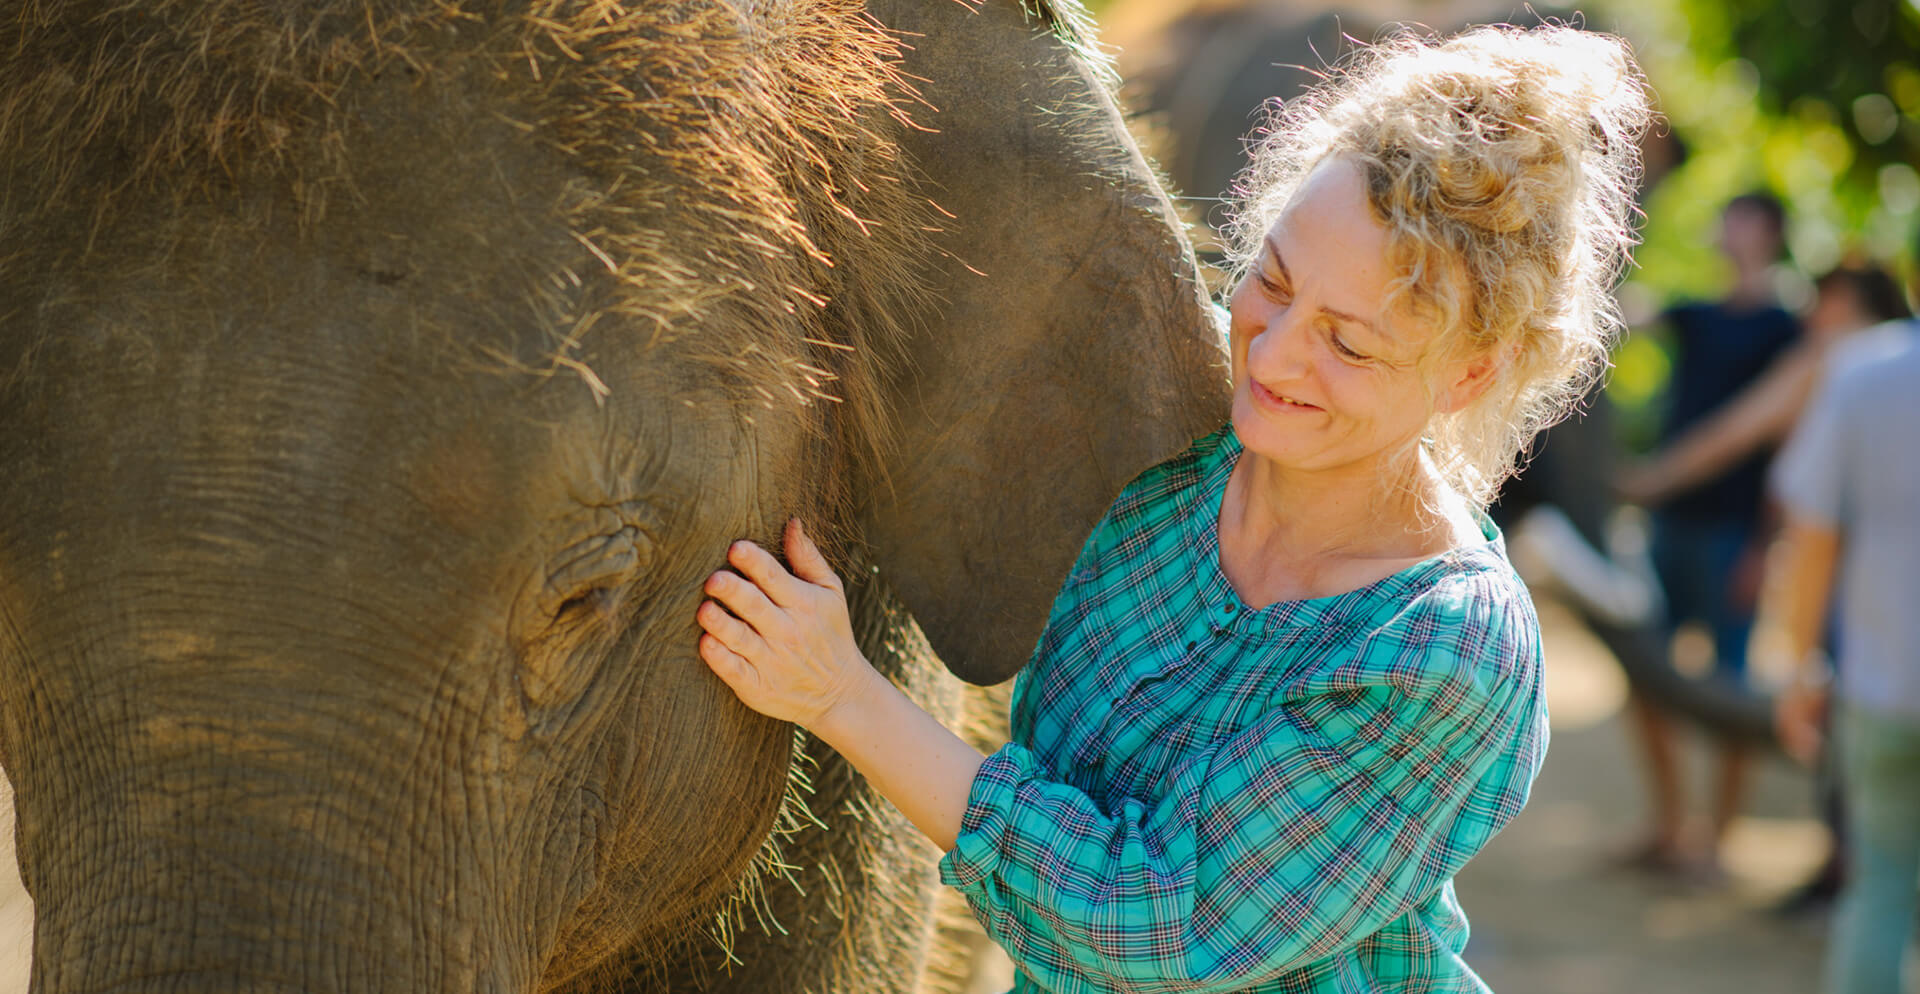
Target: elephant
[(380, 380)]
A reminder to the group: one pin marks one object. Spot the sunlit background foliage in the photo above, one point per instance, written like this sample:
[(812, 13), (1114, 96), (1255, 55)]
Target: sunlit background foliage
[(1818, 102)]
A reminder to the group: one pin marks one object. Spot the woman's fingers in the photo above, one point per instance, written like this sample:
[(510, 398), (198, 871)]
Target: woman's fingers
[(732, 668), (782, 642), (758, 565), (808, 563), (734, 634), (747, 600)]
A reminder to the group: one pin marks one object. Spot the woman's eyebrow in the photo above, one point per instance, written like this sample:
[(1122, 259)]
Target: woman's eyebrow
[(1280, 261)]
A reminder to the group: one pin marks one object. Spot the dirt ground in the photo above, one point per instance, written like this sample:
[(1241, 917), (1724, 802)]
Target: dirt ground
[(16, 909), (1550, 915)]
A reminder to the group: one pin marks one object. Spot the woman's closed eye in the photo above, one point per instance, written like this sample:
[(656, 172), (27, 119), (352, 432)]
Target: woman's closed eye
[(1344, 349), (1275, 286)]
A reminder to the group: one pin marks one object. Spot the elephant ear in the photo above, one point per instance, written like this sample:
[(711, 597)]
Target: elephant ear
[(1070, 345)]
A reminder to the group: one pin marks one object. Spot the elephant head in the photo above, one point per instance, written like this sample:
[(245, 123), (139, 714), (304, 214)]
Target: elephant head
[(379, 381)]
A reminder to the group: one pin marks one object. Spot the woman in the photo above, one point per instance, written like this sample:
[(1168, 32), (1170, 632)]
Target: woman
[(1291, 683)]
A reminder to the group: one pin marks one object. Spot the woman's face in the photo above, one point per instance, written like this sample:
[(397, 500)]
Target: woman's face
[(1324, 375)]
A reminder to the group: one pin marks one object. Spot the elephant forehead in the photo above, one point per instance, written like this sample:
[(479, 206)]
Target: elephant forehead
[(578, 469), (695, 152), (574, 192)]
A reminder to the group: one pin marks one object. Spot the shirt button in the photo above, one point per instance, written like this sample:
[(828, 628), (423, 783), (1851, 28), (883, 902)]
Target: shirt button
[(1190, 646)]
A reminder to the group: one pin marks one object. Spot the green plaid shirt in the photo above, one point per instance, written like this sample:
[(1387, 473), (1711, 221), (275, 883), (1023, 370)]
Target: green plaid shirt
[(1202, 796)]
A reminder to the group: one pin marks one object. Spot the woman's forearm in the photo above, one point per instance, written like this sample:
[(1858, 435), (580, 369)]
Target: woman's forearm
[(913, 760)]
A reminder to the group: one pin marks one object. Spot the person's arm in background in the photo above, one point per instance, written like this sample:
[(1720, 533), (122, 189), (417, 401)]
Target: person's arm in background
[(1760, 415), (1809, 480), (1799, 587)]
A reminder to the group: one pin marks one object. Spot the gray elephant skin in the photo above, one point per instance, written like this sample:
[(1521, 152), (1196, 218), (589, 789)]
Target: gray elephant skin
[(380, 380)]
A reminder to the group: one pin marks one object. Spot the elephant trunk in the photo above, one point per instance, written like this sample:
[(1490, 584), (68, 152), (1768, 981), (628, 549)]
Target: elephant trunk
[(278, 887), (175, 841)]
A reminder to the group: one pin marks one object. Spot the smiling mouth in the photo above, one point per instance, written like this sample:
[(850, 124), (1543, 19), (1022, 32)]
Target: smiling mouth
[(1278, 400)]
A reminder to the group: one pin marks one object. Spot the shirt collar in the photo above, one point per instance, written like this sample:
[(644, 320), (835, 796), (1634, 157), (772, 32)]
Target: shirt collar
[(1228, 613)]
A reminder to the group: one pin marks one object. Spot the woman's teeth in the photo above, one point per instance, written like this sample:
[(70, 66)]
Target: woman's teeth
[(1283, 398)]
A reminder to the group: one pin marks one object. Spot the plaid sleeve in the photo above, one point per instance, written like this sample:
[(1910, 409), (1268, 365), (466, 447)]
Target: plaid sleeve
[(1333, 815)]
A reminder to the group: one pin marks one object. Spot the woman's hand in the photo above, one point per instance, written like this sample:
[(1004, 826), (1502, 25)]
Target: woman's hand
[(787, 646), (787, 649)]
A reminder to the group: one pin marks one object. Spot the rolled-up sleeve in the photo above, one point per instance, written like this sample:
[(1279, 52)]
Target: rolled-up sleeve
[(1329, 817)]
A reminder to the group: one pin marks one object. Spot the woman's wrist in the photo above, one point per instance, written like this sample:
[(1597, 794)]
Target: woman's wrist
[(854, 713)]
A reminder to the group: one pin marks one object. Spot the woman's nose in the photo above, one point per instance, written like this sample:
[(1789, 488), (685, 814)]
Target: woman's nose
[(1278, 344)]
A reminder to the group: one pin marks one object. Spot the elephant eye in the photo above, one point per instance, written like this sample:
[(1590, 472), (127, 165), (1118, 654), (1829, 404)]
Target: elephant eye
[(587, 580), (578, 602), (573, 605), (598, 602)]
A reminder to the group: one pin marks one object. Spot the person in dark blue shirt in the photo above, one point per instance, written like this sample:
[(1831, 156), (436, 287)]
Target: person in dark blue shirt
[(1720, 348), (1704, 537)]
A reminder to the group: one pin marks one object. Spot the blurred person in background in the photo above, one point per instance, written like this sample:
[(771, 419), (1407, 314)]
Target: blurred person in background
[(1853, 296), (1704, 532), (1849, 483)]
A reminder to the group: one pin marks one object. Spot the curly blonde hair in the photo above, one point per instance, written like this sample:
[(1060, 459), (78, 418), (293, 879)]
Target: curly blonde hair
[(1502, 163)]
